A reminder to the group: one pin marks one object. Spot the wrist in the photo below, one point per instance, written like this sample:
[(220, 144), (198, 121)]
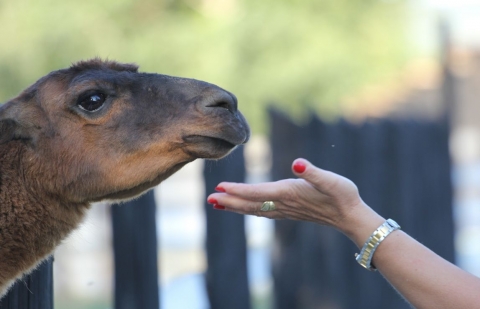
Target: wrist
[(360, 223)]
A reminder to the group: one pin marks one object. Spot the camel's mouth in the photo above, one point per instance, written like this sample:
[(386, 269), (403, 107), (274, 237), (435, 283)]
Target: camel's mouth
[(214, 141), (209, 147)]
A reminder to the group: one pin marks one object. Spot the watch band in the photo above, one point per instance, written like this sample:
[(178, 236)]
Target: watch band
[(365, 256)]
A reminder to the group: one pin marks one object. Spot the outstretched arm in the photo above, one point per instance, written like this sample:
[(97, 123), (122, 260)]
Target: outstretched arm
[(423, 278)]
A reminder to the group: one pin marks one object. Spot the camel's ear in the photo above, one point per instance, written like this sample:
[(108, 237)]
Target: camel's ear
[(17, 122)]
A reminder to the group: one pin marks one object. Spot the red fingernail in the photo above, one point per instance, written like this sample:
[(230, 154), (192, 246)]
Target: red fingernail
[(216, 206), (219, 189), (212, 201), (299, 167)]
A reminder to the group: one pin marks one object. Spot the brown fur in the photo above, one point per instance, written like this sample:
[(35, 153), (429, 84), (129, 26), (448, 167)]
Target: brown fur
[(55, 158)]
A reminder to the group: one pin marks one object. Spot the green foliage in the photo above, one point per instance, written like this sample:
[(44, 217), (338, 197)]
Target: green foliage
[(295, 53)]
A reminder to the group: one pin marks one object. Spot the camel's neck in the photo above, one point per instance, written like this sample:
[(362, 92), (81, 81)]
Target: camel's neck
[(32, 222)]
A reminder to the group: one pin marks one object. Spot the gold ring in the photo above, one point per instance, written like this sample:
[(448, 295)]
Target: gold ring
[(267, 206)]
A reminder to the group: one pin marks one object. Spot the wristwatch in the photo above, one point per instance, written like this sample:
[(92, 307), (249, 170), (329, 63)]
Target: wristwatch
[(365, 256)]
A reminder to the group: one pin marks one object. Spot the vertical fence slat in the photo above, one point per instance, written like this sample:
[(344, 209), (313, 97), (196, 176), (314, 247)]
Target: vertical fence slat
[(437, 218), (319, 268), (226, 275), (34, 291), (287, 277), (135, 253)]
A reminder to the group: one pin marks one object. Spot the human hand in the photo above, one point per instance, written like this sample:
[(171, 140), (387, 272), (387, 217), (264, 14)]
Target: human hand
[(317, 196)]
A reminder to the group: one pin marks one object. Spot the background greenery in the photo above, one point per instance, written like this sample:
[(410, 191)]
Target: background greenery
[(292, 53)]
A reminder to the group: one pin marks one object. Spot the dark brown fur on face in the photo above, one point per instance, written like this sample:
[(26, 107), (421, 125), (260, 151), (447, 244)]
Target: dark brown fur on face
[(96, 131)]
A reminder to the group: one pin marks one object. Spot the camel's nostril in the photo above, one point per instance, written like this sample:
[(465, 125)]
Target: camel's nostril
[(223, 104), (221, 100)]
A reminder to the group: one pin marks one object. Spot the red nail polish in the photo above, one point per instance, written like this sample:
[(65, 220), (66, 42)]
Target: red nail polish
[(216, 206), (212, 201), (219, 189), (299, 167)]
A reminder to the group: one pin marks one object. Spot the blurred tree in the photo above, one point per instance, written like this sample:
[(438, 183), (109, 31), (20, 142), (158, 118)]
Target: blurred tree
[(296, 53)]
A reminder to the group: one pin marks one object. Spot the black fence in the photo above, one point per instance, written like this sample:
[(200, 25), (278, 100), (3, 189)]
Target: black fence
[(402, 169), (34, 291), (135, 253), (226, 275)]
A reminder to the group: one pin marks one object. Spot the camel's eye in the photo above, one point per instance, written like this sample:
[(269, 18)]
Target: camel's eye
[(92, 102)]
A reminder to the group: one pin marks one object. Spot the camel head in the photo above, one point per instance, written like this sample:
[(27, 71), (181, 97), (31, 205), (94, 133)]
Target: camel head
[(101, 130)]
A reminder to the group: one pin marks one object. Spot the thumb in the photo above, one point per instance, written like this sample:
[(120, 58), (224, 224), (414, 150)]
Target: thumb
[(299, 166), (319, 178)]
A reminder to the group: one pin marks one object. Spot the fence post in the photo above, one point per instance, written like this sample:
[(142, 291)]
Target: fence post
[(135, 254), (226, 275), (287, 280), (34, 291)]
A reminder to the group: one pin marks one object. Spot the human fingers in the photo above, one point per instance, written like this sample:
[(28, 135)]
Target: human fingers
[(239, 205), (242, 206), (255, 192)]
